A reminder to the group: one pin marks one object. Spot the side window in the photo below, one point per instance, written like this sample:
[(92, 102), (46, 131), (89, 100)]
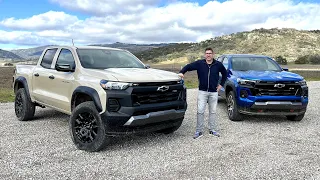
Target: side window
[(220, 59), (66, 57), (225, 62), (48, 58)]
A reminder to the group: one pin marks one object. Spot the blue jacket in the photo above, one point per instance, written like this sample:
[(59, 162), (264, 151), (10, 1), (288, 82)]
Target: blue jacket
[(208, 74)]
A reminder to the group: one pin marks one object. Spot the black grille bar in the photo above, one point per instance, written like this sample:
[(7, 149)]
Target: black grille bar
[(287, 88), (154, 94)]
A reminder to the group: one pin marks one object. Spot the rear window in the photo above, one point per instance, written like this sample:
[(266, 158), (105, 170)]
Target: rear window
[(48, 58)]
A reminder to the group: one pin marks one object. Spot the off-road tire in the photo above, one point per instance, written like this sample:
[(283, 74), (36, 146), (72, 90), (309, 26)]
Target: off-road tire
[(232, 107), (88, 131), (296, 117), (23, 106), (173, 128)]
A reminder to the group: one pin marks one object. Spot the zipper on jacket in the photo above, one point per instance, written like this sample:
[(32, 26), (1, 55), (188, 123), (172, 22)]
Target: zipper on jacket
[(208, 78)]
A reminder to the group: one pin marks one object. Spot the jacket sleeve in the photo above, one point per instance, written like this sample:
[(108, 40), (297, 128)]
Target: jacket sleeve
[(189, 67), (224, 74)]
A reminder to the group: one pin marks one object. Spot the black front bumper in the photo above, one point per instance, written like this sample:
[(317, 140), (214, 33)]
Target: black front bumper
[(143, 109)]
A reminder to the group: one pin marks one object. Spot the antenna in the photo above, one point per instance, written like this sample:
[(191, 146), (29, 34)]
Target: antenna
[(72, 42)]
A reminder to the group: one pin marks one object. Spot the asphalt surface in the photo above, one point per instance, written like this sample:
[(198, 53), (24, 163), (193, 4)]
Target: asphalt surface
[(256, 148)]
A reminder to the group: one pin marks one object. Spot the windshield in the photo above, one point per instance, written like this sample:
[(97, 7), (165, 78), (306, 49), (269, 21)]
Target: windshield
[(254, 63), (105, 58)]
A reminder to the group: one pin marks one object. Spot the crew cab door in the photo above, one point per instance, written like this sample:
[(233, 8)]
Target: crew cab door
[(62, 84), (41, 78)]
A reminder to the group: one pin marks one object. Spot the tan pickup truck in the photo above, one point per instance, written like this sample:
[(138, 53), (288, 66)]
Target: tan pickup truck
[(105, 91)]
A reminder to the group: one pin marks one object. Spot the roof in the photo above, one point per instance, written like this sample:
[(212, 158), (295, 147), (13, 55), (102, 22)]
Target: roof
[(244, 55), (85, 47)]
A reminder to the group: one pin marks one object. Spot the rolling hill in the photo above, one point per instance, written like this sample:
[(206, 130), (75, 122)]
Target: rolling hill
[(7, 55), (288, 43), (30, 53), (35, 53)]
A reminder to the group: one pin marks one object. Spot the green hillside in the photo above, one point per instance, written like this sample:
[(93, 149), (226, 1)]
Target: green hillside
[(288, 43)]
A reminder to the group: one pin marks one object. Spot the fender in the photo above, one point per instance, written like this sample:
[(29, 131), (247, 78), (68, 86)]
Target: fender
[(232, 85), (90, 92), (22, 80)]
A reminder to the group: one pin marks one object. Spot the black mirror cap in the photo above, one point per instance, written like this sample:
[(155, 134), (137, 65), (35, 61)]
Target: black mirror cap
[(147, 66)]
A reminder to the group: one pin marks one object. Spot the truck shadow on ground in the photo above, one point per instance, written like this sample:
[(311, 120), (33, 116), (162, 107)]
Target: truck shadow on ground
[(43, 114), (116, 142)]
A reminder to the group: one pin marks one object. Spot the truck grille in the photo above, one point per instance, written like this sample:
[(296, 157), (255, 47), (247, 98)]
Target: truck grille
[(157, 94), (269, 88), (154, 97)]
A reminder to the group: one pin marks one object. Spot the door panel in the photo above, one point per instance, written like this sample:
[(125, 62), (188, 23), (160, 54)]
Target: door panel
[(62, 85), (40, 79)]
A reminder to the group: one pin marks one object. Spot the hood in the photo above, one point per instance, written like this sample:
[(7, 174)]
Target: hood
[(135, 75), (268, 75)]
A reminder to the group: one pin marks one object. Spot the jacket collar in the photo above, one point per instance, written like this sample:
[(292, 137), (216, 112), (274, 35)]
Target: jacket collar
[(213, 62)]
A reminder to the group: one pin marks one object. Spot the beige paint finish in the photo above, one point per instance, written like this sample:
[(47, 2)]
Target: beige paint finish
[(57, 93)]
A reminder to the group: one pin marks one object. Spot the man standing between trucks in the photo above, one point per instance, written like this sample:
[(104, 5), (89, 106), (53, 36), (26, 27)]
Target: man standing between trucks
[(208, 70)]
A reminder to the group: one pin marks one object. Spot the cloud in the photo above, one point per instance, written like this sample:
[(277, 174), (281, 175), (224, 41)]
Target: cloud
[(107, 7), (21, 38), (175, 22), (47, 21)]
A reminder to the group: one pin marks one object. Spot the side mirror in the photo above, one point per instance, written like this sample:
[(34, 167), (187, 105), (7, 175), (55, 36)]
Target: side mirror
[(285, 69), (147, 66), (64, 68)]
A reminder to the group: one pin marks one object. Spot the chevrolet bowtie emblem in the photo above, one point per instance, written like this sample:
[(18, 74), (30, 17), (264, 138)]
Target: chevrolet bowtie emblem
[(163, 88), (279, 85)]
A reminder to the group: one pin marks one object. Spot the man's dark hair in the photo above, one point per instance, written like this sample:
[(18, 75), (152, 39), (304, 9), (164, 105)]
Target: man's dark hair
[(208, 48)]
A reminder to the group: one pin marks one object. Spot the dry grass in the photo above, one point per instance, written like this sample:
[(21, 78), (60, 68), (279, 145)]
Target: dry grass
[(6, 74), (6, 91)]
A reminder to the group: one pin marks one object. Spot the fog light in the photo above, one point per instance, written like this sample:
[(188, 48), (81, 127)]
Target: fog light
[(113, 105), (243, 93), (305, 93)]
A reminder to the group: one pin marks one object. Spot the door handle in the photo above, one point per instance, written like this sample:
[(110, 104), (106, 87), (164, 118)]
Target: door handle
[(36, 74), (51, 77)]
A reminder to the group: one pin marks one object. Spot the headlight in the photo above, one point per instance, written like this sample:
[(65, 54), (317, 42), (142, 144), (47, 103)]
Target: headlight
[(108, 85), (303, 82), (245, 81)]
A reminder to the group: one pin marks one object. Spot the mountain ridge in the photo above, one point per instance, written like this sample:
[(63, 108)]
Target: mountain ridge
[(286, 42)]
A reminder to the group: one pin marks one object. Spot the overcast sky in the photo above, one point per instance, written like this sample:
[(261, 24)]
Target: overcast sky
[(34, 23)]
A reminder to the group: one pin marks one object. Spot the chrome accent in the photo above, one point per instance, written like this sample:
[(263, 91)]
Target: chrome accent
[(279, 85), (163, 88), (154, 117), (278, 103)]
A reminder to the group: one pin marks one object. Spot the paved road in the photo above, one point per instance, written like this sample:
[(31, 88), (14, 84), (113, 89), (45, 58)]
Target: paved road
[(256, 148)]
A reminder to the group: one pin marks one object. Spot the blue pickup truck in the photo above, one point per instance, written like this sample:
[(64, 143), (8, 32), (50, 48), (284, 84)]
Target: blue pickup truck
[(258, 85)]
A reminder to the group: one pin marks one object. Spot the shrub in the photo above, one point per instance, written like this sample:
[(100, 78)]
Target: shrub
[(302, 60), (191, 58), (8, 64), (281, 60), (314, 59)]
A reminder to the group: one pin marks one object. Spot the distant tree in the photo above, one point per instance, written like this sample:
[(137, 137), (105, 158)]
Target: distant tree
[(302, 60), (314, 59), (281, 60), (8, 64)]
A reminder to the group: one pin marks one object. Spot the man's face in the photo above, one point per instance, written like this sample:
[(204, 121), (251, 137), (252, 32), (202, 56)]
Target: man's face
[(209, 55)]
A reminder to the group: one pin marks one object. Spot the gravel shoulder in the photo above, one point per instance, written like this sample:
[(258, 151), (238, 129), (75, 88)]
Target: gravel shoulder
[(256, 148)]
